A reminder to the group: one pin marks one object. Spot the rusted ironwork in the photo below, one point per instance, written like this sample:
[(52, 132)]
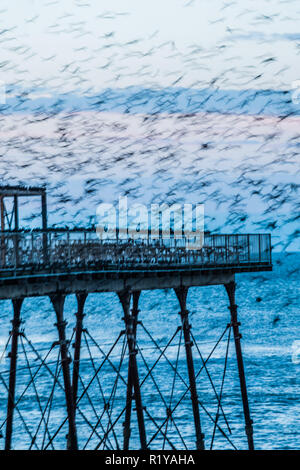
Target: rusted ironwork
[(134, 381), (162, 428), (184, 314), (58, 304), (61, 249), (17, 304), (129, 392), (230, 288), (81, 298)]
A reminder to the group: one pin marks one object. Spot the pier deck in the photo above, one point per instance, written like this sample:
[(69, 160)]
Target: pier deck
[(45, 262)]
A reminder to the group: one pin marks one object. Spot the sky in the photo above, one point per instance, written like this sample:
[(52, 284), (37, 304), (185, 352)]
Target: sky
[(177, 99), (90, 44)]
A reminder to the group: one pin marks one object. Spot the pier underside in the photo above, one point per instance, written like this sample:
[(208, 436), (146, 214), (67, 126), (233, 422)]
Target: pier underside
[(25, 284)]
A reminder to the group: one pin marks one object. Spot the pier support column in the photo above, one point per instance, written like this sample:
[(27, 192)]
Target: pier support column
[(15, 332), (58, 304), (230, 288), (81, 298), (133, 384), (184, 313)]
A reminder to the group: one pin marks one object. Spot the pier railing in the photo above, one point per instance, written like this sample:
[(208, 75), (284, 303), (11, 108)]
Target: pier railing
[(84, 249)]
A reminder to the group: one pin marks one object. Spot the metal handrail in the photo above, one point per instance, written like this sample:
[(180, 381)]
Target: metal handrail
[(83, 248)]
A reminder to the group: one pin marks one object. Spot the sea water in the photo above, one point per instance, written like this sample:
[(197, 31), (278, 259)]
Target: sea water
[(269, 316)]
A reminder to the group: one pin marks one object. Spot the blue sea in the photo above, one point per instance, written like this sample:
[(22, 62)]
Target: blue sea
[(269, 316)]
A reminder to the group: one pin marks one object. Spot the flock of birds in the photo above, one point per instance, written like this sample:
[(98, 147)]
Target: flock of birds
[(243, 166)]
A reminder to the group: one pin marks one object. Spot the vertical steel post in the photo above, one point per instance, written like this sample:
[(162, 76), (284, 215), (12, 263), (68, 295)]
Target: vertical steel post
[(17, 304), (129, 393), (16, 236), (44, 226), (230, 288), (2, 209), (58, 301), (2, 213), (81, 298), (133, 374), (16, 213), (248, 243), (182, 295)]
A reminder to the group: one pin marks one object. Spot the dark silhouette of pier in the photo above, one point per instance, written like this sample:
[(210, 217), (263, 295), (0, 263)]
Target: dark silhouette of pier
[(59, 262)]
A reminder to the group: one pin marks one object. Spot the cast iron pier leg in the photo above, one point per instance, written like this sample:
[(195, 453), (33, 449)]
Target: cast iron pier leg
[(230, 288), (127, 430), (133, 374), (17, 304), (58, 304), (182, 295), (81, 298)]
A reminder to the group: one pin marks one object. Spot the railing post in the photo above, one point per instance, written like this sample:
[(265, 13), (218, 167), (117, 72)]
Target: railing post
[(248, 242), (50, 258), (133, 375), (15, 332), (16, 213), (58, 304), (3, 250), (230, 288), (2, 225), (182, 295), (45, 248), (69, 251), (85, 248), (31, 254), (44, 225), (16, 248)]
